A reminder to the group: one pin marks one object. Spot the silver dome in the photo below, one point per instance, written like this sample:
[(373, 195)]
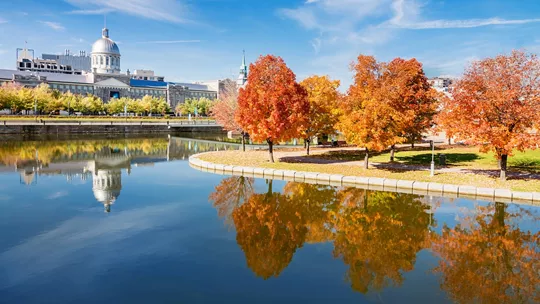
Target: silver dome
[(105, 46)]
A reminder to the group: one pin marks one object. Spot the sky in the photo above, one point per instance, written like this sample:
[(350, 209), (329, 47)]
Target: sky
[(196, 40)]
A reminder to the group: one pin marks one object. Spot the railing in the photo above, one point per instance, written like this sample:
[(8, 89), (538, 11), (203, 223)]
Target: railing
[(171, 123)]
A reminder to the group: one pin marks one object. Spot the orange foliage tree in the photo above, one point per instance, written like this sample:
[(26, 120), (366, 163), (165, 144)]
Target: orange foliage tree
[(407, 88), (322, 117), (378, 234), (496, 105), (369, 120), (272, 107), (224, 110), (490, 262)]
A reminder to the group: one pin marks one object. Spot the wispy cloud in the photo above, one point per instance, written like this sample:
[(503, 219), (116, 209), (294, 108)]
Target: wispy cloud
[(99, 11), (2, 20), (169, 41), (54, 25), (163, 10)]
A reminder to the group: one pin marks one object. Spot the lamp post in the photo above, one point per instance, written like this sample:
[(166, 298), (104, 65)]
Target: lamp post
[(432, 144), (35, 107)]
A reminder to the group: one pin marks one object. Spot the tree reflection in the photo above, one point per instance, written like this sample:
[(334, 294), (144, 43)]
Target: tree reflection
[(378, 234), (490, 262), (269, 230), (230, 194), (314, 203)]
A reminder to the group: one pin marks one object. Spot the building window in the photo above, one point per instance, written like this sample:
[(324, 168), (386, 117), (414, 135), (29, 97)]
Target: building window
[(101, 60), (107, 61)]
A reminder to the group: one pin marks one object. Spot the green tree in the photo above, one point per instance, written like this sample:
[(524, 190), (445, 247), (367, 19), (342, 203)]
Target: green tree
[(115, 106)]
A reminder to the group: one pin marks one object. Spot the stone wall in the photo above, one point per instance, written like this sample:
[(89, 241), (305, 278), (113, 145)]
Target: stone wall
[(104, 129)]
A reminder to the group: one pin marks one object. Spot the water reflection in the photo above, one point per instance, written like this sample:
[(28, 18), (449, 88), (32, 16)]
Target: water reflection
[(102, 160), (488, 259), (378, 235)]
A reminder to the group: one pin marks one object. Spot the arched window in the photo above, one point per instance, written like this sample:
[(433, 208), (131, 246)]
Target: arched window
[(101, 60), (112, 61), (107, 60)]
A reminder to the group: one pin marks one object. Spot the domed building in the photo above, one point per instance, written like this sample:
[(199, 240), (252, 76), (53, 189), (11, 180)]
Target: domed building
[(106, 185), (105, 55)]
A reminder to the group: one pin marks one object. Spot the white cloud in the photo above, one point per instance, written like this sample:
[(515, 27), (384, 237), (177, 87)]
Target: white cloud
[(3, 20), (99, 11), (54, 25), (169, 41), (163, 10), (448, 24)]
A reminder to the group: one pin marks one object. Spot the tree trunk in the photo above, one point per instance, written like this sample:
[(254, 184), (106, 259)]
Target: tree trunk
[(307, 142), (412, 144), (366, 159), (504, 161), (392, 152), (243, 142), (270, 150), (449, 141)]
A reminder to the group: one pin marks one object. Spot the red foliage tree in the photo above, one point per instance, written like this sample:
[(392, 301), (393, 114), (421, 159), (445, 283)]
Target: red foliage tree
[(496, 105), (272, 107)]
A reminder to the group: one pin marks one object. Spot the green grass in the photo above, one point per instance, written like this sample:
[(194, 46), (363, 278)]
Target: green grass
[(461, 157), (455, 157)]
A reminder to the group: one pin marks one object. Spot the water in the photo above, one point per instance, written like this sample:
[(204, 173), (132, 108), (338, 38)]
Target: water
[(128, 221)]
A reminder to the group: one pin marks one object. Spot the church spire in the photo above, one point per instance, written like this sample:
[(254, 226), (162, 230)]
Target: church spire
[(242, 76)]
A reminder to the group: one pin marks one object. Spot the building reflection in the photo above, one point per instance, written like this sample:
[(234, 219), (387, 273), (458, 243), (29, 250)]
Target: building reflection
[(102, 160)]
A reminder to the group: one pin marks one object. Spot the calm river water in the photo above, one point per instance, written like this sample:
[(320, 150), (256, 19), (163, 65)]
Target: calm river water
[(119, 220)]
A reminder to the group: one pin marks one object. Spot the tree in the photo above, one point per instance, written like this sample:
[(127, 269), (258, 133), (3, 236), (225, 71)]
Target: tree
[(369, 120), (272, 107), (411, 95), (42, 97), (496, 105), (322, 96), (225, 108), (115, 106), (10, 96), (92, 104), (135, 106), (489, 260)]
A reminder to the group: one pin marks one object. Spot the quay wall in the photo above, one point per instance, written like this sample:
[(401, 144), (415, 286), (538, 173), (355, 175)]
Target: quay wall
[(104, 129)]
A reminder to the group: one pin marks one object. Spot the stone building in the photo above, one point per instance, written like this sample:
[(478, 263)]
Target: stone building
[(106, 80)]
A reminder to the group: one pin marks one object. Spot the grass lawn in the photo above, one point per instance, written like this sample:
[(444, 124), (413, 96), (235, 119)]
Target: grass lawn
[(527, 164)]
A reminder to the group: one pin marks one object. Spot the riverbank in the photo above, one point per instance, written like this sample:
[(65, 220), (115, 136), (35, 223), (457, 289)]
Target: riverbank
[(455, 184), (105, 127)]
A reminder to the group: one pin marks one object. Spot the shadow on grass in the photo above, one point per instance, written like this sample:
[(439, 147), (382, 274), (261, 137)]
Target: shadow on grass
[(451, 158)]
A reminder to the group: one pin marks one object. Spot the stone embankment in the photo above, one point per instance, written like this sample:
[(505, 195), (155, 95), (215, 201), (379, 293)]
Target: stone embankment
[(104, 127), (373, 183)]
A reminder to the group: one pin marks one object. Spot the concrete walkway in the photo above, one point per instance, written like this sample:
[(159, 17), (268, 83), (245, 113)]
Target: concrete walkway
[(371, 183)]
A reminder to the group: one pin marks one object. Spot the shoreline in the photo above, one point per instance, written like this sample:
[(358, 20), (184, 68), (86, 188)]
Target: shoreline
[(104, 127), (372, 183)]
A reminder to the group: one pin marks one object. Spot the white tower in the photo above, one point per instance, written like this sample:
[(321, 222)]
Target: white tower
[(105, 55), (242, 77)]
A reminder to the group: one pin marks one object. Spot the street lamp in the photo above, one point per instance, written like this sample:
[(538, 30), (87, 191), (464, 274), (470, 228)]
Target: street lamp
[(432, 144)]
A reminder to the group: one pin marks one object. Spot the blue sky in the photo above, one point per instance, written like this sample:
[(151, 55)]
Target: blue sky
[(190, 40)]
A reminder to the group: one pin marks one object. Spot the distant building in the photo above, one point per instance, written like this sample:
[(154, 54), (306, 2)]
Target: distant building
[(104, 78), (80, 62), (146, 75), (441, 84), (242, 76)]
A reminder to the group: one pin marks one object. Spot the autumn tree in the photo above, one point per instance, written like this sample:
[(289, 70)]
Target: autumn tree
[(272, 107), (370, 120), (406, 87), (496, 105), (322, 118), (487, 258), (225, 108)]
